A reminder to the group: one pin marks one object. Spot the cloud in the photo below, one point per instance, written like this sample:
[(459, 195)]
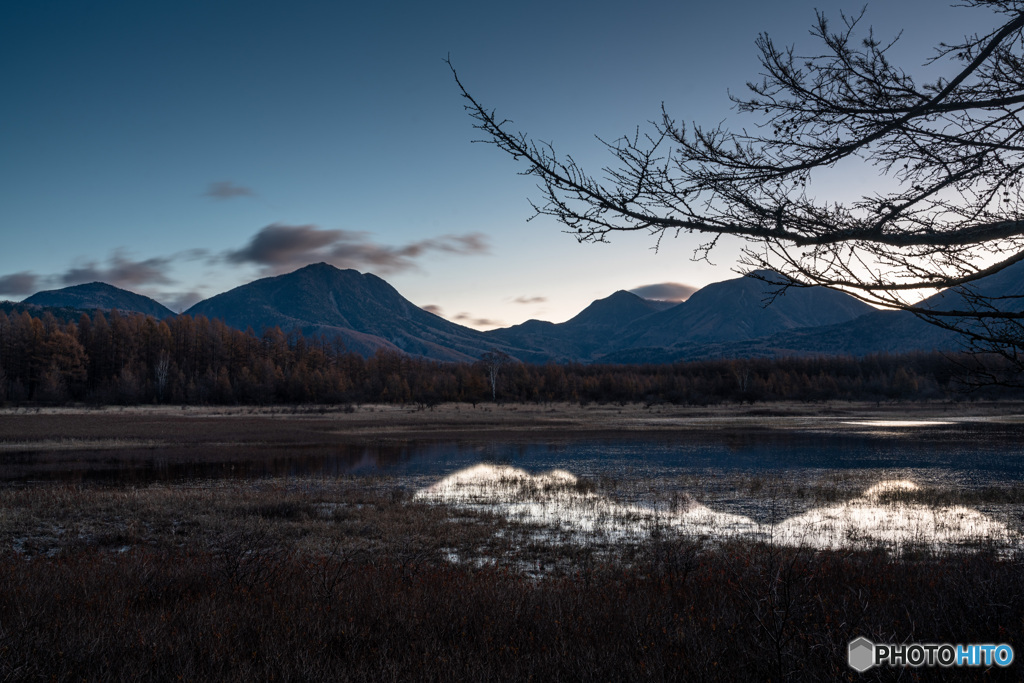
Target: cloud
[(120, 272), (465, 318), (665, 291), (225, 189), (192, 254), (477, 322), (433, 308), (472, 243), (19, 283), (280, 248), (530, 299), (284, 245)]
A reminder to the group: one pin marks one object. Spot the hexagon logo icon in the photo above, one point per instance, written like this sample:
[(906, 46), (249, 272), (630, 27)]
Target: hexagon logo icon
[(861, 654)]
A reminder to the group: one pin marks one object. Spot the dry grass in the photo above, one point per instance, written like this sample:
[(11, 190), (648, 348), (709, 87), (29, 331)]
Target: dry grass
[(337, 578), (346, 579), (343, 581)]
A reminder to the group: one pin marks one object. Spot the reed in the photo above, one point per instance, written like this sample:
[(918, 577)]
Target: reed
[(360, 579)]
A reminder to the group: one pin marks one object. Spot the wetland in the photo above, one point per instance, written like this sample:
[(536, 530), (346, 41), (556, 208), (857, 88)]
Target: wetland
[(349, 542)]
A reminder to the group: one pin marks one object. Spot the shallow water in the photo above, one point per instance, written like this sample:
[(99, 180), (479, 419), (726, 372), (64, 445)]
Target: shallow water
[(561, 503), (945, 452), (817, 481), (750, 485)]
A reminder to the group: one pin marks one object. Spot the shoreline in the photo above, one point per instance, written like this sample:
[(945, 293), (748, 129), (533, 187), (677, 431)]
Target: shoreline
[(495, 420)]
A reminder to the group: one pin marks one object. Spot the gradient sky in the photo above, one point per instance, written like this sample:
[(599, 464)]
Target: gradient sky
[(182, 148)]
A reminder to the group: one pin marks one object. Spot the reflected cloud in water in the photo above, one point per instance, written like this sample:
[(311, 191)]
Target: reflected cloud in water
[(879, 518), (558, 500), (897, 423)]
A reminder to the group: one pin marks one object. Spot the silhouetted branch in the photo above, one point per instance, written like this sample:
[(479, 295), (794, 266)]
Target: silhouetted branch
[(946, 156)]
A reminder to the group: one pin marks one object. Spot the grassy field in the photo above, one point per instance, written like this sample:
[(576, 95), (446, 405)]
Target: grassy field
[(346, 578)]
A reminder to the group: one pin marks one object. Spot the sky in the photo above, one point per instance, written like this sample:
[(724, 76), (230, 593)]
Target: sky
[(182, 148)]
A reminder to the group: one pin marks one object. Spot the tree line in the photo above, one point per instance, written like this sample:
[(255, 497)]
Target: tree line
[(127, 359)]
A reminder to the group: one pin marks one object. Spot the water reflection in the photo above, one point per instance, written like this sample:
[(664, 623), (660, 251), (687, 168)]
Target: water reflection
[(557, 500), (897, 423), (880, 518), (952, 455)]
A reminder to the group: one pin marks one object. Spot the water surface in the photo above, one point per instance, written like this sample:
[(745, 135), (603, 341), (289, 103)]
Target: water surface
[(952, 453)]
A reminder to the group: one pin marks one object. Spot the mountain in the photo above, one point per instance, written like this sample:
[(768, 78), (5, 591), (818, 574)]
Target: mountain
[(741, 309), (101, 296), (902, 331), (874, 332), (625, 328), (741, 317), (613, 312), (588, 334), (363, 310), (1005, 289)]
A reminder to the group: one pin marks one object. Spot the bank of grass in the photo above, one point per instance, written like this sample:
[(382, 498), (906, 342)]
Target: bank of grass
[(352, 579), (739, 613)]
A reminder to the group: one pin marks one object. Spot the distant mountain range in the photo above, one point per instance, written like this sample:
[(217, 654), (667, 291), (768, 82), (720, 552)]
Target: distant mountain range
[(735, 318)]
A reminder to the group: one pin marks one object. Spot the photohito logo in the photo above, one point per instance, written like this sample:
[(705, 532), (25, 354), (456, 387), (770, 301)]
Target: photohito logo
[(863, 654)]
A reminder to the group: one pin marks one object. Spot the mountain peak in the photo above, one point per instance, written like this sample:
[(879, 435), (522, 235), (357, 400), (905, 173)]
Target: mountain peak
[(361, 309), (621, 297), (768, 276), (321, 266), (101, 296), (744, 308), (322, 269), (615, 311)]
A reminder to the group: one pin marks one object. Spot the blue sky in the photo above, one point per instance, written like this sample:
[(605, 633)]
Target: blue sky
[(179, 149)]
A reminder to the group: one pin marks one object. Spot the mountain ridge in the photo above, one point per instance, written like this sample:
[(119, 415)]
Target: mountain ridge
[(99, 296), (723, 319), (363, 310)]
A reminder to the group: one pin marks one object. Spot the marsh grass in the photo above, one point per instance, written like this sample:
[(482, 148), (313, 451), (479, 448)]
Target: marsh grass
[(356, 579), (360, 579), (675, 611), (335, 578)]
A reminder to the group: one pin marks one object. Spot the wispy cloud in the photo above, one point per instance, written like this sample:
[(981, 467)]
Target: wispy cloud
[(530, 299), (279, 248), (19, 284), (477, 322), (225, 189), (433, 308), (120, 271), (665, 291), (465, 318)]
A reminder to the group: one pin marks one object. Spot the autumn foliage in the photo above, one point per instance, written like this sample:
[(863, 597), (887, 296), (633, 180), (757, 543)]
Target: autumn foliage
[(105, 358)]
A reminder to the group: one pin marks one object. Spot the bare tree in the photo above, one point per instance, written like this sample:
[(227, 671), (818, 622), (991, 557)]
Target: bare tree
[(161, 370), (492, 362), (946, 155)]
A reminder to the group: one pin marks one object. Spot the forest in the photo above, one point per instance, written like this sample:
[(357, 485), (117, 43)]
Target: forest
[(131, 359)]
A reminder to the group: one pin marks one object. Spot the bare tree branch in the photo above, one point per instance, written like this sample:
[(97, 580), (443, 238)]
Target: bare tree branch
[(947, 156)]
